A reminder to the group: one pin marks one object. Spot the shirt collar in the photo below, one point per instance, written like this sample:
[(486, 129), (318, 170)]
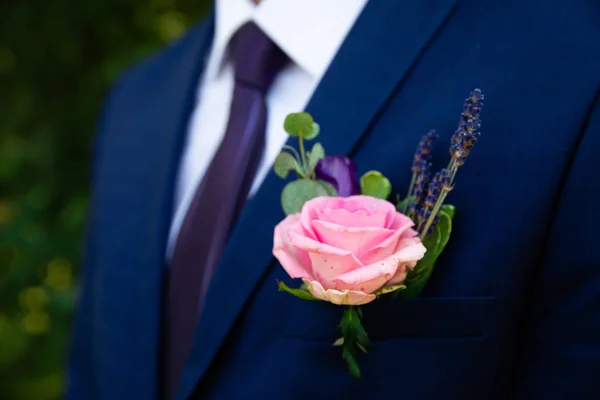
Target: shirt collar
[(310, 32)]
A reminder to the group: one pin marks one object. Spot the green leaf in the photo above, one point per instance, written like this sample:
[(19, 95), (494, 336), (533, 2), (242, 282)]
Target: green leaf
[(361, 347), (374, 184), (418, 277), (360, 334), (449, 209), (316, 128), (300, 293), (359, 312), (390, 289), (284, 163), (354, 338), (317, 153), (339, 341), (432, 243), (445, 228), (328, 187), (296, 193), (299, 124), (350, 358), (405, 204)]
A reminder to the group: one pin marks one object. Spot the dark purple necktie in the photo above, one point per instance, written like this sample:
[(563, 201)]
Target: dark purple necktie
[(221, 194)]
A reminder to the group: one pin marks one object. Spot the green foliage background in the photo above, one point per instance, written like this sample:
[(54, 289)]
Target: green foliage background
[(57, 60)]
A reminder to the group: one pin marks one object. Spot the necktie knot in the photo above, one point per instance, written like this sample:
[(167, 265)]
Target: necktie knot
[(257, 59)]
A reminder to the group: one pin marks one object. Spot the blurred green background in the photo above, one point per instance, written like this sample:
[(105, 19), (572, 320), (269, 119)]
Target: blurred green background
[(57, 61)]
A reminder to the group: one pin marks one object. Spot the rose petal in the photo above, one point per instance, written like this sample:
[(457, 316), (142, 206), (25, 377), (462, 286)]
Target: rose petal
[(344, 245), (304, 242), (327, 261), (356, 219), (349, 297), (295, 261), (399, 276), (367, 279), (390, 270), (401, 221), (355, 240), (388, 246), (327, 267), (353, 211), (307, 216), (408, 240), (315, 288), (343, 297), (407, 258), (312, 209), (370, 204)]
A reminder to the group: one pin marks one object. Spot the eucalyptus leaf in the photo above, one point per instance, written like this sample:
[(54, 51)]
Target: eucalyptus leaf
[(300, 293), (374, 184), (444, 226), (298, 192), (316, 128), (404, 205), (432, 243), (299, 124), (328, 187), (449, 209), (285, 163), (317, 153)]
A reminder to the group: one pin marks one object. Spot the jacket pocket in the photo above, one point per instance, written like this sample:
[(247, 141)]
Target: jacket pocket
[(425, 317)]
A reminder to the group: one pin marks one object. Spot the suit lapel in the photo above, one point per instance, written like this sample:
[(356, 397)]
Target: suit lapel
[(370, 65)]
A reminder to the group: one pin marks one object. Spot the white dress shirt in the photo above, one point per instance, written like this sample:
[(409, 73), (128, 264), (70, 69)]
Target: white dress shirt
[(310, 32)]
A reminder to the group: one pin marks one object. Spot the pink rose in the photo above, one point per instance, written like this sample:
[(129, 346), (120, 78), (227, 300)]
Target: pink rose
[(345, 249)]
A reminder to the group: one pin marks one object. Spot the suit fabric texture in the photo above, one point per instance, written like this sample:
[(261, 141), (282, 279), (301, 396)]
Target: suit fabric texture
[(512, 308)]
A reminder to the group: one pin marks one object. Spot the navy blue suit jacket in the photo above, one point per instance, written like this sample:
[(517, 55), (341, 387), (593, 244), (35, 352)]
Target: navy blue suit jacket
[(512, 310)]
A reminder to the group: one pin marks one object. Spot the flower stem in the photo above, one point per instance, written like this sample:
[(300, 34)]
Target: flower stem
[(452, 164), (453, 170), (303, 156), (355, 338), (434, 212), (412, 184), (294, 152), (409, 193)]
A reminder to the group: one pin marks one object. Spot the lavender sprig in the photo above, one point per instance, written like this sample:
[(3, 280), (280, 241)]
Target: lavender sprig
[(420, 165), (436, 194), (426, 210), (467, 133), (422, 156), (419, 192), (423, 153)]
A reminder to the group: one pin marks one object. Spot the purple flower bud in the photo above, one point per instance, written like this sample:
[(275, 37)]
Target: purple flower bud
[(340, 172)]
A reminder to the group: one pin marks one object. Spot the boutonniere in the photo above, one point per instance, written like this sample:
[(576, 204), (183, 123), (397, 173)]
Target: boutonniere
[(348, 244)]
